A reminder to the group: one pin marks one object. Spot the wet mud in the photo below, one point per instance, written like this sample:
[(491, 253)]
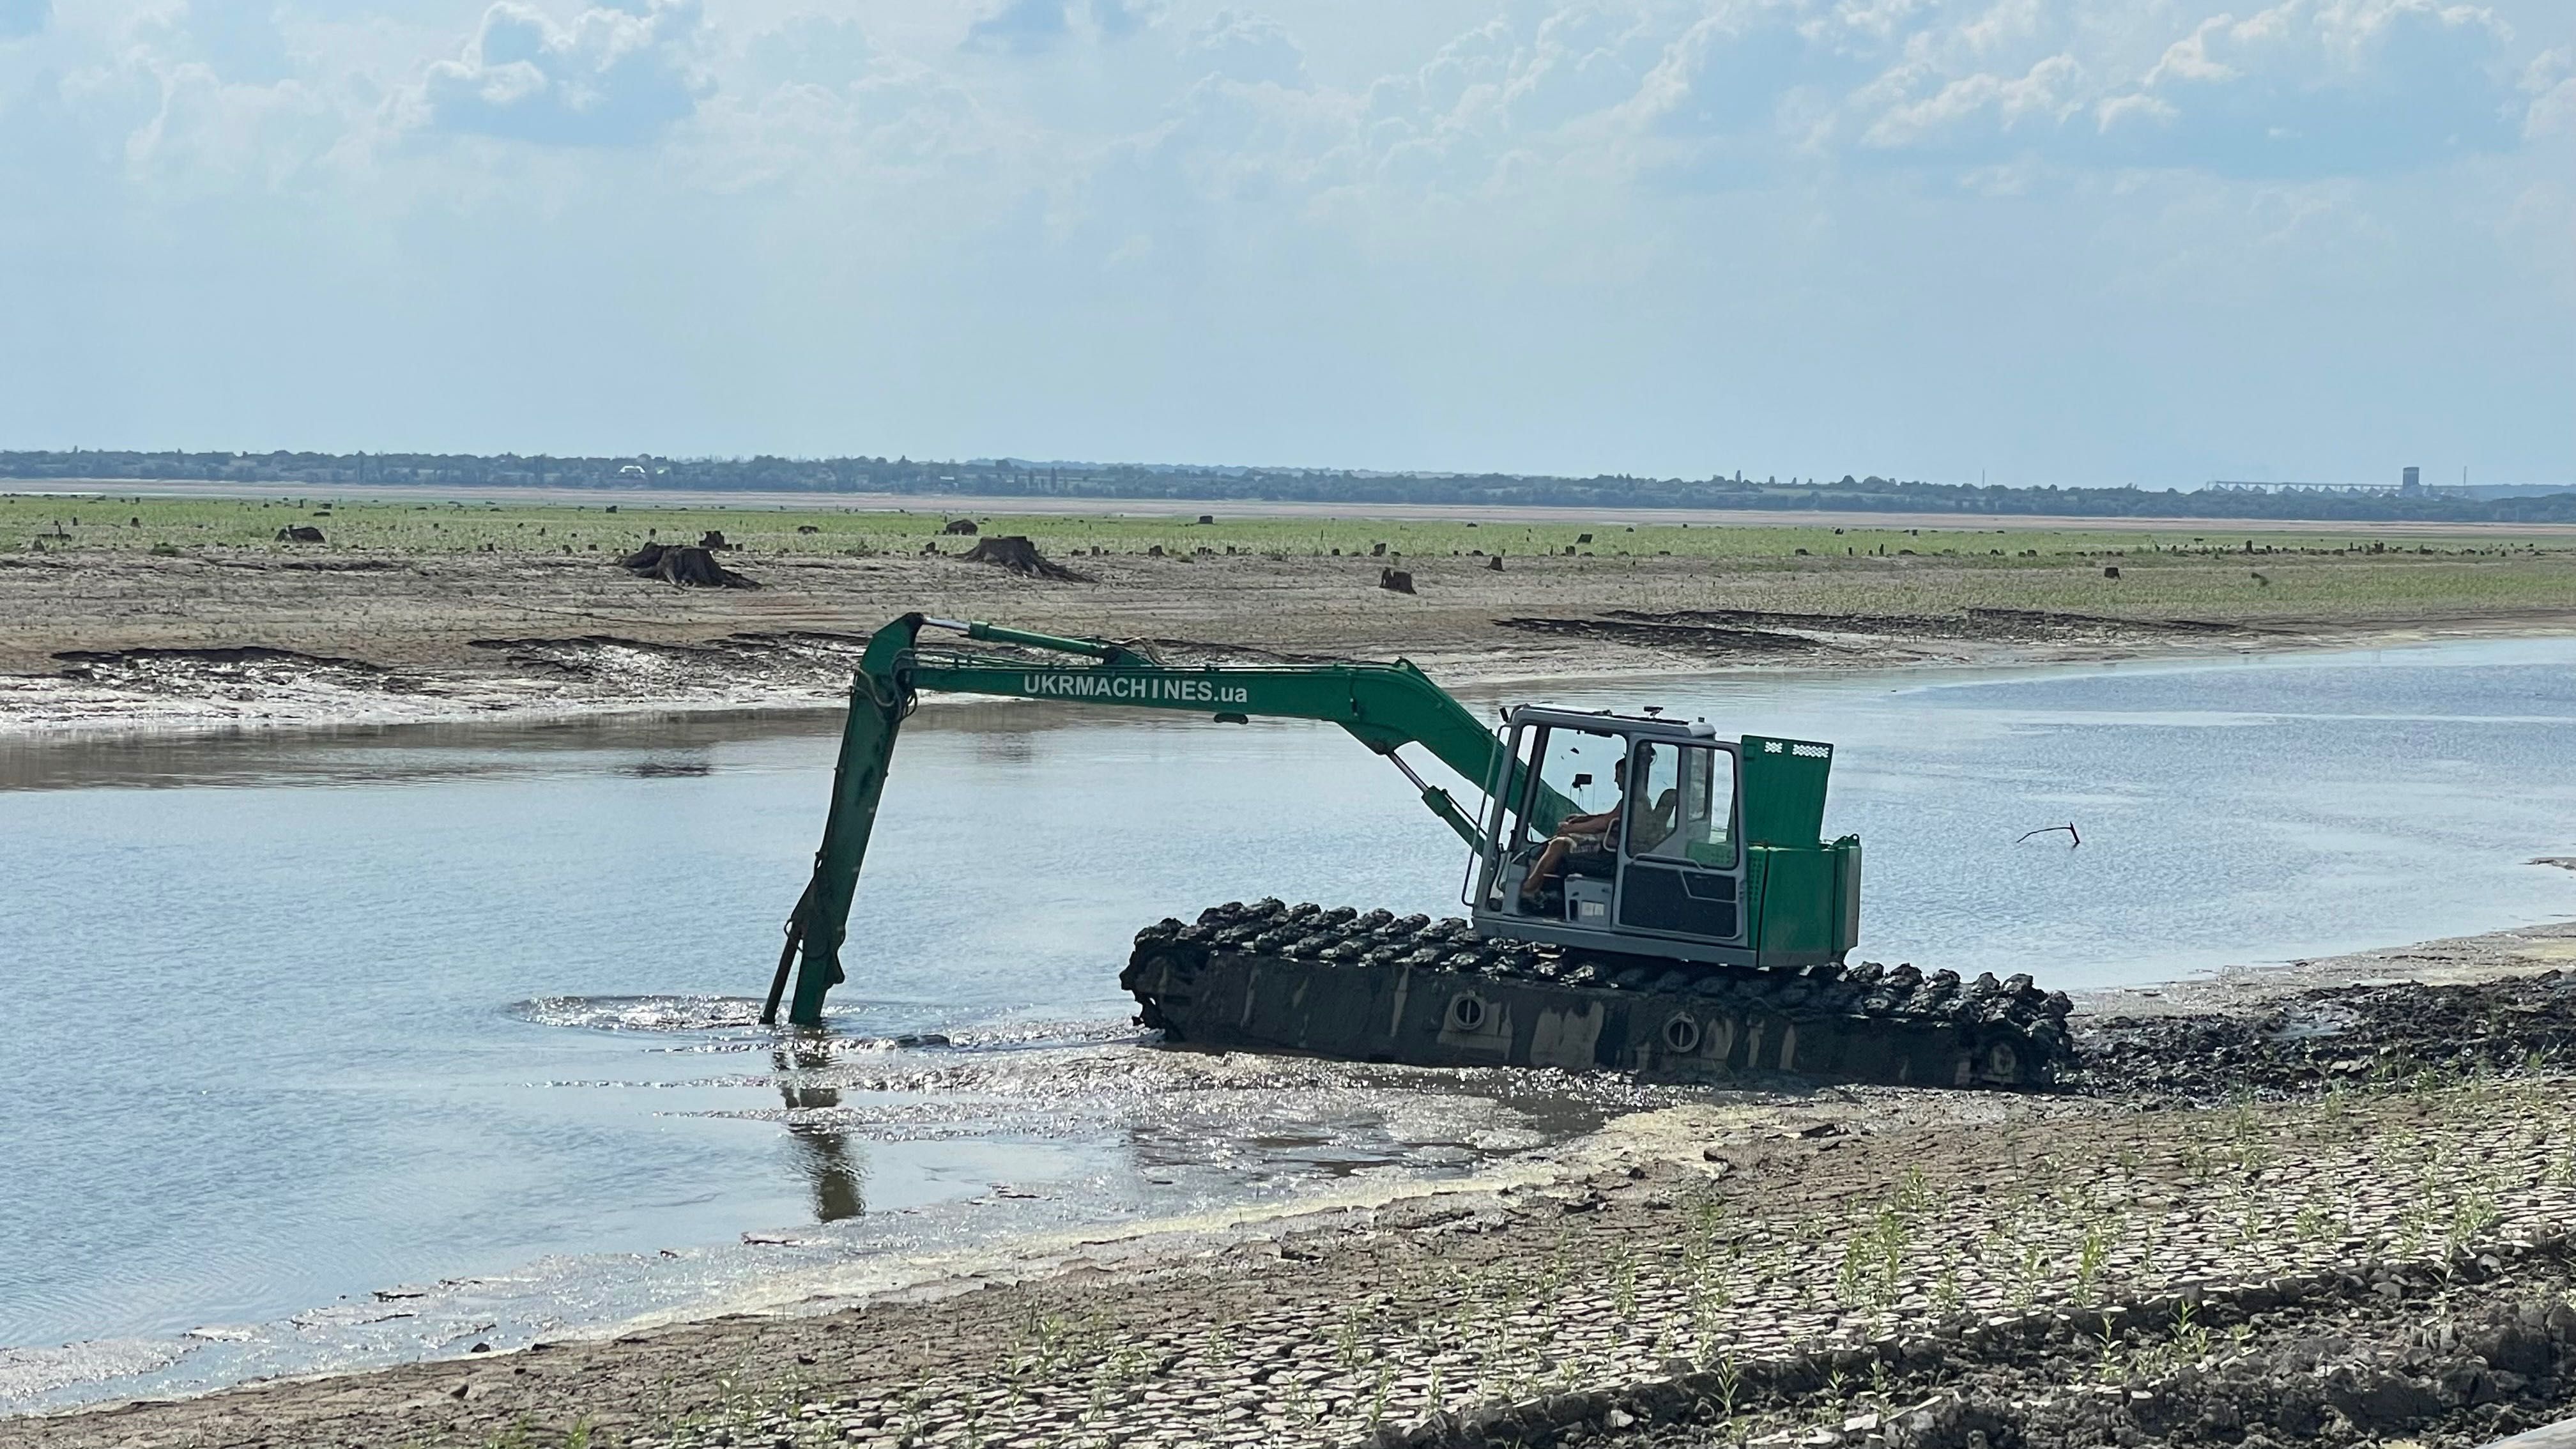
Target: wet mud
[(1753, 632), (416, 623), (730, 660), (2331, 1038)]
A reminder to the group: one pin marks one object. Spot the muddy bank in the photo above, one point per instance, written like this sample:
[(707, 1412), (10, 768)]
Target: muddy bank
[(2366, 1257), (107, 639), (1756, 632), (2332, 1038)]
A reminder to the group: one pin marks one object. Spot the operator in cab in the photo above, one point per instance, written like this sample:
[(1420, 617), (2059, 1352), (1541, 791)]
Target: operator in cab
[(1589, 844)]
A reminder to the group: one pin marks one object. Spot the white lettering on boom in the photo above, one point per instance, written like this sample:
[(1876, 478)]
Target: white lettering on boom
[(1142, 688)]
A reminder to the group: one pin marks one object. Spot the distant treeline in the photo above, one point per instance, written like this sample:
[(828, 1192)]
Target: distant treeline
[(1009, 478)]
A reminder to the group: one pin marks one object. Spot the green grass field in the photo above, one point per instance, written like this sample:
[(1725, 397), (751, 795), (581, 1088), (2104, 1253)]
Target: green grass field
[(28, 522), (2186, 571)]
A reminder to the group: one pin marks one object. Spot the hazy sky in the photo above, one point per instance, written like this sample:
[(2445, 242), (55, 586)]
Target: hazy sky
[(2071, 241)]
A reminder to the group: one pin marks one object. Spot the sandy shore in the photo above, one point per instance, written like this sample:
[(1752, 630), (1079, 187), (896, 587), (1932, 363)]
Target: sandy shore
[(247, 636), (2378, 1247)]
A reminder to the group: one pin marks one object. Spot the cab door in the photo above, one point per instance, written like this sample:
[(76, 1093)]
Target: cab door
[(1682, 867)]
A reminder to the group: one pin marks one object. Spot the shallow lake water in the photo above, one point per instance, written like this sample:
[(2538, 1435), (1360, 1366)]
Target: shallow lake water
[(336, 1047)]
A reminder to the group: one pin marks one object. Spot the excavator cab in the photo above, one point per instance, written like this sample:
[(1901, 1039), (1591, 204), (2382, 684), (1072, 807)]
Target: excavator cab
[(1652, 837)]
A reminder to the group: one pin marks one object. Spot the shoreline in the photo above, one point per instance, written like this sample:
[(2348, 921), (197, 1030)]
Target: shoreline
[(215, 694), (1782, 1184), (206, 614)]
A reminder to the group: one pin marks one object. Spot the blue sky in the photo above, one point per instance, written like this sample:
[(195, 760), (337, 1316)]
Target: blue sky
[(2072, 241)]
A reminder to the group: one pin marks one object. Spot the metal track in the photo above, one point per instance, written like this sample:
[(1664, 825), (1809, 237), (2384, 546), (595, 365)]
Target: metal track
[(1377, 986)]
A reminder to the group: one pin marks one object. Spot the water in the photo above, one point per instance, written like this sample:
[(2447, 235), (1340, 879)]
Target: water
[(336, 1048)]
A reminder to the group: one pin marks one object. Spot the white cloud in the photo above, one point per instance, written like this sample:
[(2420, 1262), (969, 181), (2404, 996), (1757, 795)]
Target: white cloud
[(2550, 81), (1022, 25), (1118, 19), (1243, 46), (612, 77), (2044, 96), (1030, 26), (2320, 87), (811, 50)]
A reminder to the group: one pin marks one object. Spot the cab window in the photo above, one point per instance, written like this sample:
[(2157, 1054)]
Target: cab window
[(1686, 810), (1577, 774)]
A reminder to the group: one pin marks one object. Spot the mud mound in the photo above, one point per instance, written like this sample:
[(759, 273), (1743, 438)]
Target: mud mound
[(2348, 1035), (1657, 634), (2052, 620), (1758, 631), (252, 654), (1787, 619), (1021, 557), (687, 565), (793, 658)]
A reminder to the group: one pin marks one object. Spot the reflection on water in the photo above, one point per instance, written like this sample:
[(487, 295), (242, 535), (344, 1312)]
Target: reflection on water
[(837, 1173), (473, 1010)]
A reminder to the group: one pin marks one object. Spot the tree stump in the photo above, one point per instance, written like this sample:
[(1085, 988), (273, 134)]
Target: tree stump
[(684, 565), (1013, 552)]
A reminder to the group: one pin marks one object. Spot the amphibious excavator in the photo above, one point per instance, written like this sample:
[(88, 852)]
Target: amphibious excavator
[(1642, 894)]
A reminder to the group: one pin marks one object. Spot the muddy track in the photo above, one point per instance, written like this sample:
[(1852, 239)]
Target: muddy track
[(1660, 634), (208, 658), (2328, 1038), (1763, 631), (759, 654)]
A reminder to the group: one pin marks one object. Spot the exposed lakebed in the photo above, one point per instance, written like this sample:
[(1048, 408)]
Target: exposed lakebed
[(304, 1024)]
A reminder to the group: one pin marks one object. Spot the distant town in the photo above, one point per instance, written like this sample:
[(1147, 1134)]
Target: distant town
[(2404, 498)]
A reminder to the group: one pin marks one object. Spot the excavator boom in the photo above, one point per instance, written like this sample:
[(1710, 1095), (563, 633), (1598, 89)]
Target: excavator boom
[(1383, 706)]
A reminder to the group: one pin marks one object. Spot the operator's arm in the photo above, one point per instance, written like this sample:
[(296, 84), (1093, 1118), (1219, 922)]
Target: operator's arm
[(1586, 824)]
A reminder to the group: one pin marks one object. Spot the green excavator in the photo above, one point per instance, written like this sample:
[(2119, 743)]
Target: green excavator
[(1643, 895)]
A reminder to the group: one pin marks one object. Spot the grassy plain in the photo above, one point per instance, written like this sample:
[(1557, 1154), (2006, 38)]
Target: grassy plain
[(2189, 570), (125, 611)]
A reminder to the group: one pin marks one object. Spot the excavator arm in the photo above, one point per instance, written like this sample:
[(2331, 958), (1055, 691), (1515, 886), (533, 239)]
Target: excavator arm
[(1383, 706)]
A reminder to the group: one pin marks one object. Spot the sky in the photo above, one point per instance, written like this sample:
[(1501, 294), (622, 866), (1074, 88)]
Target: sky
[(2031, 241)]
